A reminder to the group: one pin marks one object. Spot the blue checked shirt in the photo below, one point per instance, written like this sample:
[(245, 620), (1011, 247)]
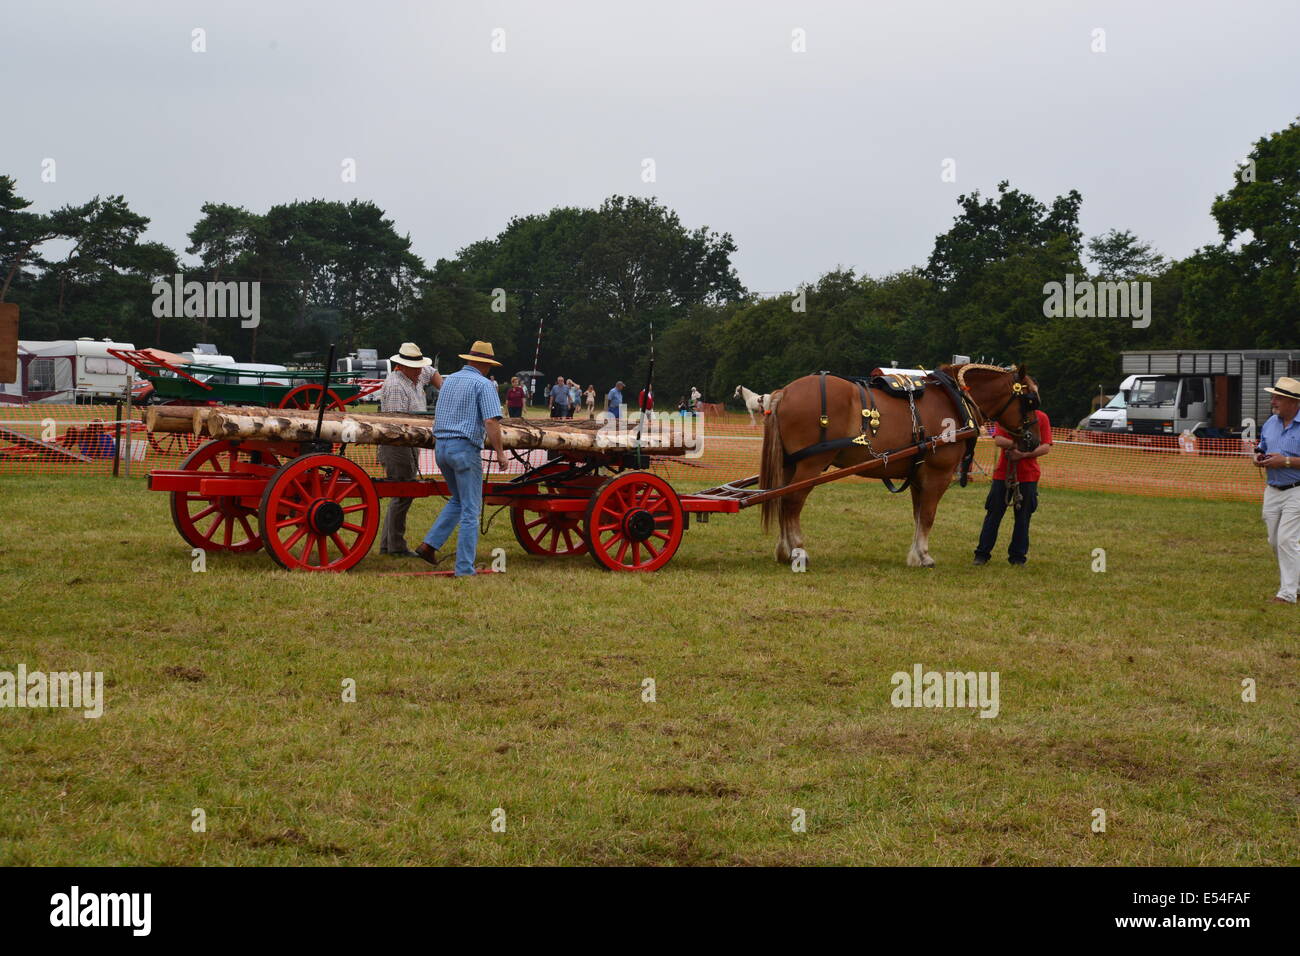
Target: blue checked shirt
[(466, 401), (1276, 440)]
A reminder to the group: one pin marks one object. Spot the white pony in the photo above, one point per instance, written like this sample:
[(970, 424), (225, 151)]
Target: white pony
[(753, 402)]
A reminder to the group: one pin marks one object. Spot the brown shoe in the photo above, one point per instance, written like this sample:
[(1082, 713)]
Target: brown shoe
[(1278, 600), (429, 554)]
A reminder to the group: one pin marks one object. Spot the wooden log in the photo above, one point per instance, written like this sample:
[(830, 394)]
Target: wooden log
[(226, 424), (194, 418), (170, 418), (300, 425)]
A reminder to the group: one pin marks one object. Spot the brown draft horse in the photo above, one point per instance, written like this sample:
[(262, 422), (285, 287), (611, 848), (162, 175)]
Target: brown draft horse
[(1006, 395)]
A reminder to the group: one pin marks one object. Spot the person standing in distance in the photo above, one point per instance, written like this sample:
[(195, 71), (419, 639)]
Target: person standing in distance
[(614, 400), (559, 399), (469, 409), (515, 399)]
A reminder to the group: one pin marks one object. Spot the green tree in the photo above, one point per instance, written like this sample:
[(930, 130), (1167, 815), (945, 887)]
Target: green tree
[(1261, 212), (21, 232), (1122, 256), (595, 281), (989, 231)]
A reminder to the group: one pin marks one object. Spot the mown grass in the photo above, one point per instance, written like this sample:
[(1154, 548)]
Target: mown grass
[(1119, 690)]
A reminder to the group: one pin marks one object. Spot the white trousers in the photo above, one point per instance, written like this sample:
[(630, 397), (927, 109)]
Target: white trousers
[(1282, 518)]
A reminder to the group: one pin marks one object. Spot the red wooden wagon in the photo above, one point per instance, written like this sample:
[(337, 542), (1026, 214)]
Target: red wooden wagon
[(320, 511)]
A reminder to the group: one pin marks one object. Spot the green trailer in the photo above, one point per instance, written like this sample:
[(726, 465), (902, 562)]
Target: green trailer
[(181, 383)]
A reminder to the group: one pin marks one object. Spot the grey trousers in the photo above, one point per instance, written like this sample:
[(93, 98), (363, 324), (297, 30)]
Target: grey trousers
[(401, 464)]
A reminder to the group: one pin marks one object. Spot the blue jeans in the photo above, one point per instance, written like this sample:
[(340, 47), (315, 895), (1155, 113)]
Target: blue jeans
[(461, 464)]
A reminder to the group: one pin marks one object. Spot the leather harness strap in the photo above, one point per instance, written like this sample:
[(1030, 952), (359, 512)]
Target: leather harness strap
[(870, 422), (962, 404), (824, 420), (869, 426), (968, 409)]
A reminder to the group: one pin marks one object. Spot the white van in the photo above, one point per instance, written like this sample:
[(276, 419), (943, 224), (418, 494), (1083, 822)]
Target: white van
[(1113, 416)]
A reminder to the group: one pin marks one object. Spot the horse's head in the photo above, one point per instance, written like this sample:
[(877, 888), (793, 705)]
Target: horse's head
[(1007, 396), (736, 393)]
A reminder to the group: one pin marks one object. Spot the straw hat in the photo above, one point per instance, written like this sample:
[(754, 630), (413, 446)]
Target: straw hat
[(1286, 387), (481, 352), (411, 356)]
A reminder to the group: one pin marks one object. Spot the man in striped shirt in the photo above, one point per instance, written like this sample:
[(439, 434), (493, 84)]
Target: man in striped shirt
[(403, 392)]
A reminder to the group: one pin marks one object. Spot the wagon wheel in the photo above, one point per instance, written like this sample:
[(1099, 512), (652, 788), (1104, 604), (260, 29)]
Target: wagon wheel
[(219, 523), (174, 443), (319, 513), (548, 533), (634, 523), (309, 396)]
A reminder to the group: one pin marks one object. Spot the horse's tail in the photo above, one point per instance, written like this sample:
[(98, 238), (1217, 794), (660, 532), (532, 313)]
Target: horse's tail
[(773, 463)]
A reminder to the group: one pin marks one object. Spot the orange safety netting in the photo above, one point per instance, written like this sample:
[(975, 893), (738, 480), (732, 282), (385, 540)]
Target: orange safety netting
[(83, 439)]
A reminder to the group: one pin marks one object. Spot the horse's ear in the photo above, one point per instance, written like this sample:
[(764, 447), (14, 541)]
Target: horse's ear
[(1022, 372)]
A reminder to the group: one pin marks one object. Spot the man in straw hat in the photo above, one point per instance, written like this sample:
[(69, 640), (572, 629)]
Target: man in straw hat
[(403, 392), (1279, 452), (469, 408)]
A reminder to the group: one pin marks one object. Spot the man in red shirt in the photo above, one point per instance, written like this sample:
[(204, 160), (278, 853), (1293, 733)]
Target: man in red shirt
[(1027, 474)]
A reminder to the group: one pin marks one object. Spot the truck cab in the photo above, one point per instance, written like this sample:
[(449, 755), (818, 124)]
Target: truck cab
[(1170, 404)]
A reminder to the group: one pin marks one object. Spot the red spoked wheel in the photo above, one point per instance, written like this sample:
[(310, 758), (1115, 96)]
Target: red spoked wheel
[(221, 523), (309, 396), (634, 523), (549, 533), (319, 513)]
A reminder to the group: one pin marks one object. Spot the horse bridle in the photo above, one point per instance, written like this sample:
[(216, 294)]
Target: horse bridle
[(1028, 398)]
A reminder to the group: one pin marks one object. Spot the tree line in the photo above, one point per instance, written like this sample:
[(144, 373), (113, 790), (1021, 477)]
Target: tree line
[(608, 287)]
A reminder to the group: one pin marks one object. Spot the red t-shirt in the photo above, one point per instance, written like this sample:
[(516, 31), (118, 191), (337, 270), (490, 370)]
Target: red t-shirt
[(515, 397), (1026, 468)]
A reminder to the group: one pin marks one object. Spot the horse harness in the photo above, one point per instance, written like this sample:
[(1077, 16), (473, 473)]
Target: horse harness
[(897, 386)]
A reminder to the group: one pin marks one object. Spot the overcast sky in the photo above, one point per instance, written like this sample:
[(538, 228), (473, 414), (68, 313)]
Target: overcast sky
[(810, 160)]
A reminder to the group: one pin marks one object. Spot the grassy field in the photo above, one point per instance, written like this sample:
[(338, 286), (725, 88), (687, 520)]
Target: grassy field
[(1118, 690)]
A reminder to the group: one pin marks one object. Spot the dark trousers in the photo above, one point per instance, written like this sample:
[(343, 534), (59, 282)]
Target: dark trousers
[(995, 507), (401, 464)]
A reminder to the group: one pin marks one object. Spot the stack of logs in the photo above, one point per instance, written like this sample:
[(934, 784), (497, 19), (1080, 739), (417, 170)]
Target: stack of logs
[(412, 431)]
